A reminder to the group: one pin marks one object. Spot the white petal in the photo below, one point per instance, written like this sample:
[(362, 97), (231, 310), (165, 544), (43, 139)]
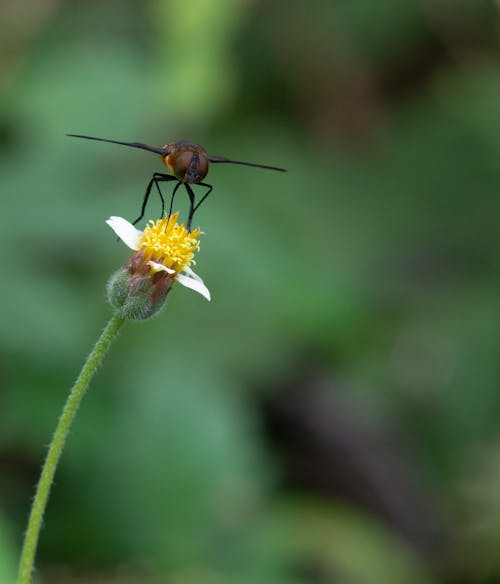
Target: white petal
[(191, 274), (130, 236), (160, 267), (195, 284)]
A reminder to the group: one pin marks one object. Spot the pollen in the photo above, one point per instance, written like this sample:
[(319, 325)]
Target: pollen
[(167, 242)]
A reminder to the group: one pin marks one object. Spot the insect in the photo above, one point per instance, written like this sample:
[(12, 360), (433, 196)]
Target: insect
[(188, 163)]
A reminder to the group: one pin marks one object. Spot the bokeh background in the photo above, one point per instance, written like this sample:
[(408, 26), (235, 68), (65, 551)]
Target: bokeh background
[(333, 415)]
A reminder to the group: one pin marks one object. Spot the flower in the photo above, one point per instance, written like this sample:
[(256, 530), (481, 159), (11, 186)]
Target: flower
[(164, 253)]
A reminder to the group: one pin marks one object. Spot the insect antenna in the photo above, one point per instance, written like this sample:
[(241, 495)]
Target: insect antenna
[(140, 145), (222, 159)]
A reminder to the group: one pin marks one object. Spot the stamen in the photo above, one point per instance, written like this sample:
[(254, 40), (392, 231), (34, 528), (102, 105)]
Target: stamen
[(170, 243)]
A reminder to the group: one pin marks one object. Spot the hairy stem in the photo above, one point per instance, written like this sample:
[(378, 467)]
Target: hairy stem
[(57, 444)]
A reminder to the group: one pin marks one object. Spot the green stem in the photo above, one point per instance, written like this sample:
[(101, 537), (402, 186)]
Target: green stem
[(56, 446)]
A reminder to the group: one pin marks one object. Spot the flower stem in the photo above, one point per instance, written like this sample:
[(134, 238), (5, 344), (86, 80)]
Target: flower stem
[(56, 446)]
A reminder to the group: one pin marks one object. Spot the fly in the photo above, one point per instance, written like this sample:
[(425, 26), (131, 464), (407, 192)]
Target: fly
[(188, 162)]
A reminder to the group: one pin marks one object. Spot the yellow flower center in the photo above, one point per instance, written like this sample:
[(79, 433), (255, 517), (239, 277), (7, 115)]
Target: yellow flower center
[(168, 243)]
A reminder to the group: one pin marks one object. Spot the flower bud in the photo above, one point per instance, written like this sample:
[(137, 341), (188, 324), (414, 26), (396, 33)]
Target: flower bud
[(135, 291)]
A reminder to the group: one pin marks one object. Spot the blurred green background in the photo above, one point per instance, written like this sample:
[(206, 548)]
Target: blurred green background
[(333, 415)]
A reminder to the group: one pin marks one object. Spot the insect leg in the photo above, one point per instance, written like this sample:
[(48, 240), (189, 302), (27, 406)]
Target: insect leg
[(157, 177), (173, 196), (161, 197), (210, 187), (191, 206)]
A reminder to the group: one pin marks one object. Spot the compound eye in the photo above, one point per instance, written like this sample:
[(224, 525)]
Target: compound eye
[(203, 167), (182, 164)]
